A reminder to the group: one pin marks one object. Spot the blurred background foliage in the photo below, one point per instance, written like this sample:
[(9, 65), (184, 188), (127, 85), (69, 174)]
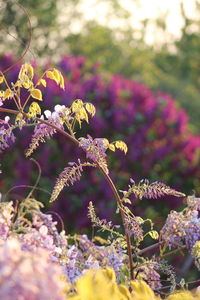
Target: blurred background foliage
[(61, 27), (169, 153)]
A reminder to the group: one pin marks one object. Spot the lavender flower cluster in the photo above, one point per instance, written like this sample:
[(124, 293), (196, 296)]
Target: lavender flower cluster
[(183, 228), (6, 134), (37, 261)]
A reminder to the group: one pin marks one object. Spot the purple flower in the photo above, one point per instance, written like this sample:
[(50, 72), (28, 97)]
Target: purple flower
[(95, 150), (28, 275), (43, 131), (6, 134), (181, 229), (6, 215)]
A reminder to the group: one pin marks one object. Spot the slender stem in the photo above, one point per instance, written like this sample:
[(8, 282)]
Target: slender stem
[(109, 180), (172, 252), (128, 240), (11, 111), (156, 245), (169, 286)]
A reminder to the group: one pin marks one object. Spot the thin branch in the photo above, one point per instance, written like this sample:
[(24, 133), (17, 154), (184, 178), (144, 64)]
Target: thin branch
[(29, 40), (25, 186), (172, 252), (178, 284), (15, 112), (149, 248), (128, 239)]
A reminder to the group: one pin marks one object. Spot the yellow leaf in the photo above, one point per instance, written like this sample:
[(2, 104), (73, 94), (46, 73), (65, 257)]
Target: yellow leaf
[(82, 114), (1, 79), (21, 72), (56, 74), (139, 220), (19, 117), (37, 94), (8, 94), (106, 143), (27, 83), (154, 234), (29, 71), (62, 83), (50, 75), (127, 200), (43, 82), (100, 240), (34, 110), (121, 145), (90, 108), (76, 105), (111, 147), (2, 93)]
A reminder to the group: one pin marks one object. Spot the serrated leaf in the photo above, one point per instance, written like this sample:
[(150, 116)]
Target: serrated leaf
[(43, 82), (154, 234), (36, 94), (1, 79)]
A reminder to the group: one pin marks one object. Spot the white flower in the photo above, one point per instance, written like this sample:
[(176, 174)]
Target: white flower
[(47, 113)]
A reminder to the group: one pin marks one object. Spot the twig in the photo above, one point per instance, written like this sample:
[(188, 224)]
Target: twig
[(169, 286), (149, 248), (172, 252)]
